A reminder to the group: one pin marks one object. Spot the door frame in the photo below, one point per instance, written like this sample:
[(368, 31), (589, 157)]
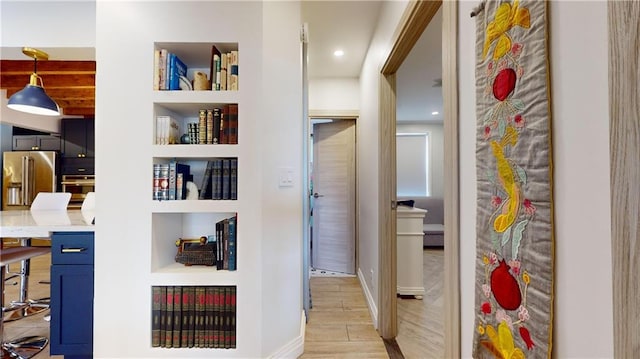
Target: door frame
[(415, 19), (337, 115)]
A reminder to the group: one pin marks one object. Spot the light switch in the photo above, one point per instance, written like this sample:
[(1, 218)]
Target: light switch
[(285, 177)]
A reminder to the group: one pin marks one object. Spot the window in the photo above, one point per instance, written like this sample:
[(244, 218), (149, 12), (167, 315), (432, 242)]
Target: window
[(412, 164)]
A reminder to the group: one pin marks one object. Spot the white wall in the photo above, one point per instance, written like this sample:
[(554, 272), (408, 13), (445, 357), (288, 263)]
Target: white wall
[(341, 94), (583, 299), (281, 129), (368, 146), (17, 30), (270, 218), (436, 154)]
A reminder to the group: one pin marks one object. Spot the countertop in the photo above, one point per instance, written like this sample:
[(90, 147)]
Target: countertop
[(40, 224)]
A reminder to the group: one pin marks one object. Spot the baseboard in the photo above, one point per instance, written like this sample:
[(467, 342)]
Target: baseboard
[(371, 304), (295, 348)]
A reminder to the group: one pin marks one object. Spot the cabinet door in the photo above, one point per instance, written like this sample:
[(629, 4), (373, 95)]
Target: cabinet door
[(91, 138), (75, 137), (48, 143), (24, 142), (71, 323)]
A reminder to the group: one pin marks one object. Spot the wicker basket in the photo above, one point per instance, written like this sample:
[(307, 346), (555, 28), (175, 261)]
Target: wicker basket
[(192, 252)]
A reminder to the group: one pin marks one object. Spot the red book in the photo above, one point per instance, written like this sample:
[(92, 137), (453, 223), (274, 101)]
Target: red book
[(233, 124)]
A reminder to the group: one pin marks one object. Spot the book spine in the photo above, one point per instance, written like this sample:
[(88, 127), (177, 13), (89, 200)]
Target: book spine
[(234, 179), (232, 243), (210, 127), (199, 312), (156, 181), (223, 71), (202, 126), (177, 316), (172, 180), (155, 316), (163, 315), (191, 315), (184, 327), (180, 184), (219, 245), (233, 124), (217, 117), (227, 317), (205, 188), (156, 70), (162, 69), (232, 329), (225, 239), (226, 178), (218, 320), (164, 182), (173, 129), (168, 338), (171, 69)]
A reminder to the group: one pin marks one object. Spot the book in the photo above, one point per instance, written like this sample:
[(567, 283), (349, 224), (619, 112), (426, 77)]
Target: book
[(210, 134), (199, 317), (172, 180), (191, 306), (217, 117), (163, 181), (156, 69), (225, 240), (210, 315), (232, 243), (224, 59), (216, 179), (205, 188), (215, 54), (226, 315), (219, 245), (226, 178), (234, 179), (156, 182), (233, 67), (156, 292), (162, 69), (184, 332), (168, 338), (177, 316), (217, 321), (163, 315), (177, 68), (232, 329), (232, 125), (202, 126)]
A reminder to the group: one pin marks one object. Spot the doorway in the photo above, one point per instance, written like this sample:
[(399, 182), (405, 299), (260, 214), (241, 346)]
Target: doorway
[(414, 21), (333, 195)]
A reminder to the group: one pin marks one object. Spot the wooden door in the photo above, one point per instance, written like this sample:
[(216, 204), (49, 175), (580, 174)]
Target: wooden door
[(333, 234)]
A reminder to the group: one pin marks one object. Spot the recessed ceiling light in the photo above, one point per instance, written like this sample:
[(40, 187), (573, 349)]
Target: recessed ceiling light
[(435, 113), (338, 53)]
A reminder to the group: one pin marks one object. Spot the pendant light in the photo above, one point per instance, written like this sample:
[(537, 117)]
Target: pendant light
[(32, 98)]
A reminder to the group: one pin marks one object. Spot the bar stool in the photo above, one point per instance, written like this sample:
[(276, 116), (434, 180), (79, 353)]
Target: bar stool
[(48, 203), (25, 347)]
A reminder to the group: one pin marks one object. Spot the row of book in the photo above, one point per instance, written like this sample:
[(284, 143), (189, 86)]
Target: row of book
[(226, 248), (167, 70), (167, 130), (193, 317), (220, 180), (224, 70), (170, 180), (217, 126)]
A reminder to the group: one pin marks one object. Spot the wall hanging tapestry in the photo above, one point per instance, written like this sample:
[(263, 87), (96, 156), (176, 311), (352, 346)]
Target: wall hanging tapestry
[(515, 241)]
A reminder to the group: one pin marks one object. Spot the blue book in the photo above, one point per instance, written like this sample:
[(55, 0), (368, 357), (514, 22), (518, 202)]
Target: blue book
[(177, 68), (234, 179), (232, 244)]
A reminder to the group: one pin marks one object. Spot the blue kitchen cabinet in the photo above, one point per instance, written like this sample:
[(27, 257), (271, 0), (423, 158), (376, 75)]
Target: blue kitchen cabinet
[(71, 324)]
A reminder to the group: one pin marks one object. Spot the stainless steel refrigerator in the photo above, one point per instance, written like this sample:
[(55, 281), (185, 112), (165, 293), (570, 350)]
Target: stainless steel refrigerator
[(26, 173)]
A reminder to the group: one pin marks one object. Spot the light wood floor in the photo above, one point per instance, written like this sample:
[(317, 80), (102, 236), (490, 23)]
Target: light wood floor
[(421, 322), (339, 323)]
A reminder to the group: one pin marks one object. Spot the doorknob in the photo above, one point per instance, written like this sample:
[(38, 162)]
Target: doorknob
[(316, 195)]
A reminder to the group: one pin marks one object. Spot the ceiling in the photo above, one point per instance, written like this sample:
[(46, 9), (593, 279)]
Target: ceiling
[(350, 25), (69, 78)]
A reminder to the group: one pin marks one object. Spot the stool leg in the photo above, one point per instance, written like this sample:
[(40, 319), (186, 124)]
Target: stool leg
[(23, 348), (25, 270)]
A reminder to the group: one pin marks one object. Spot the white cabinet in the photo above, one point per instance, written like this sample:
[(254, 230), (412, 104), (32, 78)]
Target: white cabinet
[(409, 252)]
